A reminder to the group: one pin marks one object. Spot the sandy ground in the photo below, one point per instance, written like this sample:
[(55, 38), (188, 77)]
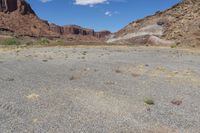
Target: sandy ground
[(99, 89)]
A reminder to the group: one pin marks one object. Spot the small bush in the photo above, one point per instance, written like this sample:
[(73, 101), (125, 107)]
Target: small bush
[(84, 52), (30, 43), (135, 74), (43, 41), (193, 46), (173, 46), (11, 41), (60, 42), (45, 60), (72, 78), (149, 101), (118, 71)]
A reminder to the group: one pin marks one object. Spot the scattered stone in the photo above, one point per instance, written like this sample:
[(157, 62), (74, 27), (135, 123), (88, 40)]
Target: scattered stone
[(32, 96), (135, 75), (84, 52), (10, 79), (27, 56), (110, 82), (73, 78), (87, 69), (35, 120), (50, 58), (176, 102), (148, 109)]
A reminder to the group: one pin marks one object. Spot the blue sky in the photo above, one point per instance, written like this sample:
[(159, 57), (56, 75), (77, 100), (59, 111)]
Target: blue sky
[(97, 14)]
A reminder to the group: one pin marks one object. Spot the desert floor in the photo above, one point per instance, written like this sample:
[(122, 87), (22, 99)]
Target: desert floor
[(99, 89)]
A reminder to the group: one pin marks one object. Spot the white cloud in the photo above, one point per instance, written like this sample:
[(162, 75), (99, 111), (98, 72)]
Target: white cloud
[(89, 2), (44, 1), (111, 13), (108, 13)]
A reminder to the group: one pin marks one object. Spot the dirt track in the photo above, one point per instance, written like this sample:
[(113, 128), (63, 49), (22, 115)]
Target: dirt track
[(97, 89)]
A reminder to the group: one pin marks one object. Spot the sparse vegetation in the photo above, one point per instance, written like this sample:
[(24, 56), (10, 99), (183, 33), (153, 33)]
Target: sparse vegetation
[(83, 57), (43, 41), (193, 46), (30, 43), (10, 79), (110, 82), (11, 41), (135, 75), (84, 52), (60, 42), (149, 101), (72, 78), (45, 60), (173, 46), (118, 71)]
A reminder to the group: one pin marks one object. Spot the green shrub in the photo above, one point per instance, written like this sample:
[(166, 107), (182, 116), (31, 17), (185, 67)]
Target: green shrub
[(11, 41), (30, 43), (149, 101), (193, 45), (173, 46), (43, 41), (60, 41)]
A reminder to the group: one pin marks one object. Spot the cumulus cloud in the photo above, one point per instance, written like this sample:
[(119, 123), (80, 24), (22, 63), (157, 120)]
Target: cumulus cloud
[(111, 13), (89, 2), (108, 13), (44, 1)]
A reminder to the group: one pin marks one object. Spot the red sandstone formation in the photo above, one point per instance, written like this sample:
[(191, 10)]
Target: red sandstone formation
[(18, 17)]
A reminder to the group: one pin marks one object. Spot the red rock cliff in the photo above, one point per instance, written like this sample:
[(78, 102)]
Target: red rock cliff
[(17, 16)]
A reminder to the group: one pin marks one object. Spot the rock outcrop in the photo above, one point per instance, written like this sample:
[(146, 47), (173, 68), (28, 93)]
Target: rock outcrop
[(18, 17), (179, 24), (77, 30), (11, 5), (8, 5), (102, 34)]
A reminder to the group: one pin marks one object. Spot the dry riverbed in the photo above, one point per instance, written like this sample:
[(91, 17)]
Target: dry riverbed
[(99, 89)]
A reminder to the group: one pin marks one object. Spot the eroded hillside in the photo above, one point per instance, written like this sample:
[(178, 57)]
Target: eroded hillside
[(179, 24)]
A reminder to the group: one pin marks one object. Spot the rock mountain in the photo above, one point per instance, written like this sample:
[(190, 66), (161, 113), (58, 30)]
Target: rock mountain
[(179, 24), (17, 17)]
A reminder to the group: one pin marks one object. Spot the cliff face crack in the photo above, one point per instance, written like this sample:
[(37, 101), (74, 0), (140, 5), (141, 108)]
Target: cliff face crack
[(3, 5), (8, 5)]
